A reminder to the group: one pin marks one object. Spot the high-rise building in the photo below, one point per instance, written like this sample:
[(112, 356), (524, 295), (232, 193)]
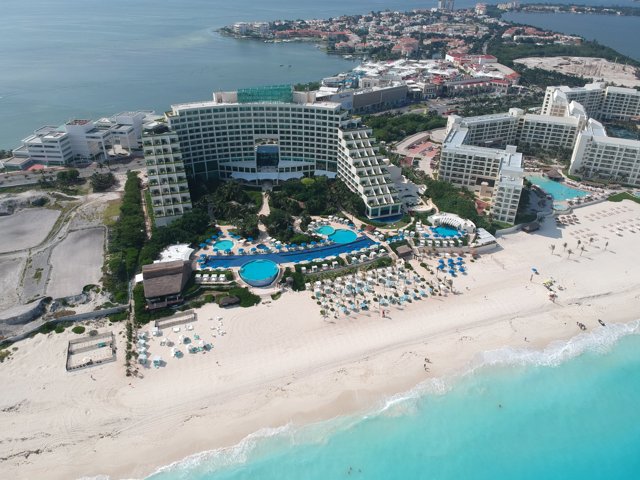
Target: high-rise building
[(598, 156), (272, 134), (599, 101), (168, 187)]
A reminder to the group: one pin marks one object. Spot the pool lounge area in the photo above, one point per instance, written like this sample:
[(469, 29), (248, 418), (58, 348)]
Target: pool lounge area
[(558, 190), (211, 261)]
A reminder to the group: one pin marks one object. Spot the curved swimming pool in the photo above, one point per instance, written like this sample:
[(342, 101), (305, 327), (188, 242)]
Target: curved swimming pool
[(342, 235), (325, 230), (259, 273), (446, 231), (223, 245)]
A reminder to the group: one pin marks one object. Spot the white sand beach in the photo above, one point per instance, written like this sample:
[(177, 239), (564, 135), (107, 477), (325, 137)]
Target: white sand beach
[(281, 363)]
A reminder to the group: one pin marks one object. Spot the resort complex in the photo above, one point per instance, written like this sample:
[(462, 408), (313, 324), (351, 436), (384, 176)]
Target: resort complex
[(375, 274), (264, 136), (479, 153)]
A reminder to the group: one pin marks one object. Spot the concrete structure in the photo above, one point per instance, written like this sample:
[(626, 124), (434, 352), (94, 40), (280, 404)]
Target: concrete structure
[(599, 156), (599, 101), (82, 140), (48, 146), (488, 171), (168, 185), (476, 153), (273, 134)]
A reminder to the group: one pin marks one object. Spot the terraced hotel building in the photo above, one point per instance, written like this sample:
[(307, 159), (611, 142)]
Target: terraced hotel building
[(273, 134)]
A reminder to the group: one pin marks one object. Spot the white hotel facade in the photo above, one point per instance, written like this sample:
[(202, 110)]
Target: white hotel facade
[(273, 134), (479, 153)]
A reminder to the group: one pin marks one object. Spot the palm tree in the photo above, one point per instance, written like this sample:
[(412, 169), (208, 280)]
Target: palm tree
[(564, 245), (569, 252), (552, 247)]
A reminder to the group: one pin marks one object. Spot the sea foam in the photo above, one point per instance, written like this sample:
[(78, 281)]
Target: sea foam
[(600, 340)]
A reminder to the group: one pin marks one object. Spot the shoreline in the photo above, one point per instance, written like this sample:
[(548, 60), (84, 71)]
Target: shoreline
[(431, 386), (281, 364)]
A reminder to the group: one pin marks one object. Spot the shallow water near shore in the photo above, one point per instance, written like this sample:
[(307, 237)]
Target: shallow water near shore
[(569, 411)]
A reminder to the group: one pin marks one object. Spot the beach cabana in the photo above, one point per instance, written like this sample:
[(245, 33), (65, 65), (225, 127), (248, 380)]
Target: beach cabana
[(157, 361)]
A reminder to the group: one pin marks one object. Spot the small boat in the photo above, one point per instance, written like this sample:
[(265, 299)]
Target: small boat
[(601, 323)]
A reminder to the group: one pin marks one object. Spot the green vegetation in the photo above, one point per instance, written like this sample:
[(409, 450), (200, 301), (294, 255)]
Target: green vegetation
[(229, 202), (392, 127), (306, 87), (247, 299), (78, 329), (68, 177), (112, 212), (297, 279), (276, 296), (618, 197), (127, 239), (102, 181), (118, 317), (506, 52), (141, 314), (306, 197), (5, 353), (487, 104), (193, 228), (545, 78)]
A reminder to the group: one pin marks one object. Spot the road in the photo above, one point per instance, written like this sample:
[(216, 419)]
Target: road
[(25, 178)]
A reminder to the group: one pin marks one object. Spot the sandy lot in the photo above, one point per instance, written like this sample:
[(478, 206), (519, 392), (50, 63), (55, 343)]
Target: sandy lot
[(76, 262), (10, 270), (281, 363), (26, 229), (597, 69)]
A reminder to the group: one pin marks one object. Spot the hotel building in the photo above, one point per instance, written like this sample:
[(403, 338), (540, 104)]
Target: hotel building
[(273, 134), (492, 172), (81, 140), (599, 101), (167, 179), (599, 156)]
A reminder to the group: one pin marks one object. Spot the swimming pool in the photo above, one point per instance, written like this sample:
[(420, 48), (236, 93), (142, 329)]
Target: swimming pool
[(325, 230), (558, 190), (259, 273), (334, 249), (223, 245), (342, 235), (445, 231)]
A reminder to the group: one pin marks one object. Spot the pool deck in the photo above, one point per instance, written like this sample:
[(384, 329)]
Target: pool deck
[(227, 261)]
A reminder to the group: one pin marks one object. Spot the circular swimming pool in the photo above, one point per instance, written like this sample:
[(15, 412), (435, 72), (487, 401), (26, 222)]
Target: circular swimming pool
[(342, 235), (325, 230), (445, 231), (259, 273), (223, 245)]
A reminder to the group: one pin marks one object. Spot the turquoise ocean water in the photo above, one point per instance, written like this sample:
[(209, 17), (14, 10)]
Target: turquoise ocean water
[(568, 412)]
